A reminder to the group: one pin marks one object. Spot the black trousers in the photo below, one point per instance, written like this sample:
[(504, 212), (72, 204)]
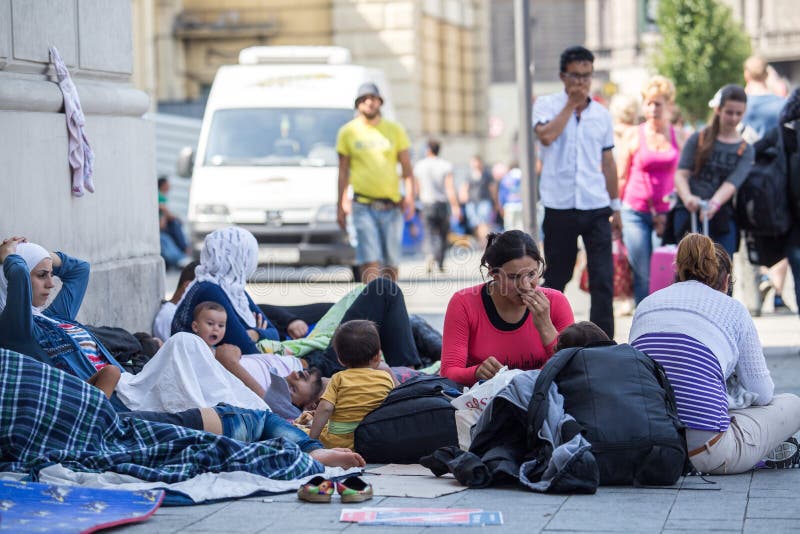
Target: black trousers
[(436, 217), (381, 302), (561, 231)]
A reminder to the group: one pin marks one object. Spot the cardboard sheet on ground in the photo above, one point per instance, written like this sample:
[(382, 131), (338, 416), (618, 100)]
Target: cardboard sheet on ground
[(403, 470), (438, 517), (395, 480)]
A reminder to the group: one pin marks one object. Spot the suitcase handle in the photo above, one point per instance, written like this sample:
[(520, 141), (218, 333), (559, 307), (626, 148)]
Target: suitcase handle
[(694, 215)]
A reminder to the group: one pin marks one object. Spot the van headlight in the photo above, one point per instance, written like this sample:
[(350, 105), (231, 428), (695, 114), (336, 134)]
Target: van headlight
[(326, 214), (213, 212)]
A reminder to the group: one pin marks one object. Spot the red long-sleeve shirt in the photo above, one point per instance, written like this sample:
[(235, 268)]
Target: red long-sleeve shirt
[(473, 331)]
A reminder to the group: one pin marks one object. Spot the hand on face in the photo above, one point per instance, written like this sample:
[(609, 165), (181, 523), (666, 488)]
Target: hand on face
[(537, 303)]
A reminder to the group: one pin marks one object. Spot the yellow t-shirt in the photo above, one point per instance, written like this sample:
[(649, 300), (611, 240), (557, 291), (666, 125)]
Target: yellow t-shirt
[(373, 154), (354, 393)]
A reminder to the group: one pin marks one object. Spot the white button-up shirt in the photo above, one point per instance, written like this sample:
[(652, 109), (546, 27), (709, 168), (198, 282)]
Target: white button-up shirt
[(572, 170)]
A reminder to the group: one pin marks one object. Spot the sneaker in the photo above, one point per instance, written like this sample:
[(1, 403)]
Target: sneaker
[(784, 456), (764, 285), (780, 306)]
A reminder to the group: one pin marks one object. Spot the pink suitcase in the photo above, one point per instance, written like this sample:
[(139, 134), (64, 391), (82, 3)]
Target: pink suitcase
[(662, 267), (662, 262)]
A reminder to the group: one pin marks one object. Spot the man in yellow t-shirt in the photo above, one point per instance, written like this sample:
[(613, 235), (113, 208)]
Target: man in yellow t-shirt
[(369, 149)]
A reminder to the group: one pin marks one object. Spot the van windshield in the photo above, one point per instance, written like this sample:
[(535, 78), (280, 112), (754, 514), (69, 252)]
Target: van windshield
[(275, 137)]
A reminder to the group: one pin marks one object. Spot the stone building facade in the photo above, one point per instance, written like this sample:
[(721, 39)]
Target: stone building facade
[(116, 228)]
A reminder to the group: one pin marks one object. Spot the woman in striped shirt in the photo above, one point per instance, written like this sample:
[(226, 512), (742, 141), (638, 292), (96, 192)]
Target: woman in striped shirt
[(702, 337)]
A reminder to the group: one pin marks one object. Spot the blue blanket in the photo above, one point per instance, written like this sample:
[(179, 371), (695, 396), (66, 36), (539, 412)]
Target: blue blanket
[(49, 417)]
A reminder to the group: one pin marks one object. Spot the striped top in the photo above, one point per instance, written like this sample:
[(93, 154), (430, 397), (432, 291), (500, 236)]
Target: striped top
[(696, 378), (87, 344)]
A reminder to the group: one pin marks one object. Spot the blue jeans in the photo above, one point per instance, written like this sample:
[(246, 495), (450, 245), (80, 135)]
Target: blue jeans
[(640, 240), (793, 255), (728, 240), (169, 250), (259, 425), (379, 234)]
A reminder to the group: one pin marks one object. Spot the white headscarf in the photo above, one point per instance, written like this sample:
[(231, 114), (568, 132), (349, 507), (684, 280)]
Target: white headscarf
[(32, 254), (229, 257)]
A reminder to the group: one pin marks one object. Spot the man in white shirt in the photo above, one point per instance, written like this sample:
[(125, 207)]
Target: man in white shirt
[(578, 184)]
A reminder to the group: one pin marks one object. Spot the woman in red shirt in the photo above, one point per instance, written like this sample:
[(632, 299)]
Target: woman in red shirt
[(508, 320)]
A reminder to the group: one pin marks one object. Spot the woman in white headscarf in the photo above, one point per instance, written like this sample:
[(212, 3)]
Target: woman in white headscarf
[(230, 256)]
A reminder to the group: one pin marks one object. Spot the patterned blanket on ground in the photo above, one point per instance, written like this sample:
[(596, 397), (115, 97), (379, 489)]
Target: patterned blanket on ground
[(49, 417)]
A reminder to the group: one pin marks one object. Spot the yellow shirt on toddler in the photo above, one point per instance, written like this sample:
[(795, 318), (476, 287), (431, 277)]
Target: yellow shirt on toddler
[(354, 393)]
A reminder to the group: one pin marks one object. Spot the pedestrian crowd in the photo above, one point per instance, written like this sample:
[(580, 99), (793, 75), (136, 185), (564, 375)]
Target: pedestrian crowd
[(282, 390)]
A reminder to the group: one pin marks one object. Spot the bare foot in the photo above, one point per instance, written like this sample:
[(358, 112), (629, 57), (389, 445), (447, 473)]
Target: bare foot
[(338, 458)]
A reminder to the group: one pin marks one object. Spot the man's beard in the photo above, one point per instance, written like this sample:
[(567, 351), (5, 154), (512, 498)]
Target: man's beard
[(371, 116)]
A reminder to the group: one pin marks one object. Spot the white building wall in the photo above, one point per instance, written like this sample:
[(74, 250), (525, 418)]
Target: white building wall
[(116, 228)]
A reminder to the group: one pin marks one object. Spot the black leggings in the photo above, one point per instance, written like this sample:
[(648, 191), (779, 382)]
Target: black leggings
[(381, 302)]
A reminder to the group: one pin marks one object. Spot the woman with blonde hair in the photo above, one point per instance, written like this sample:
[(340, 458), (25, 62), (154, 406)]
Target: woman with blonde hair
[(647, 163), (703, 337)]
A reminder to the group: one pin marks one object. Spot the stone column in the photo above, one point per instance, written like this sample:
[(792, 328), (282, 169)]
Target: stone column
[(116, 228)]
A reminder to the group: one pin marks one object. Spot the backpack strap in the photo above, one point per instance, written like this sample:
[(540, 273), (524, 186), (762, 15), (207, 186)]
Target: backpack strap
[(741, 149), (539, 404)]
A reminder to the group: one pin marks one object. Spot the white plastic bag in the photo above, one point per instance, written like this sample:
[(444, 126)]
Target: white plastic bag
[(470, 405)]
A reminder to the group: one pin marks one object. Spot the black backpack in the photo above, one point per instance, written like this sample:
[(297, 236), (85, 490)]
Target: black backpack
[(762, 202), (415, 419), (623, 401)]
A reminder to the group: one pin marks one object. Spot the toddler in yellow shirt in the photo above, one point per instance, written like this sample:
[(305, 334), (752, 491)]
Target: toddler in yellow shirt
[(353, 393)]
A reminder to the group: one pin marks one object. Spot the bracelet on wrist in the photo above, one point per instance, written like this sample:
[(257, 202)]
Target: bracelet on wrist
[(713, 205), (615, 204)]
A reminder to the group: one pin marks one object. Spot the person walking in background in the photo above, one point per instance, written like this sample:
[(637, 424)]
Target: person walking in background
[(648, 159), (763, 108), (578, 184), (369, 149), (509, 197), (713, 164), (437, 193), (480, 195)]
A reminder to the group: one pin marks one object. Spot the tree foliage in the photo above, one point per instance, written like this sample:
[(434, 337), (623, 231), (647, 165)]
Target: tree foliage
[(702, 49)]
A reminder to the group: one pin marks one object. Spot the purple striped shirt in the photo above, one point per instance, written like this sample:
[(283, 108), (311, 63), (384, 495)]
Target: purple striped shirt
[(696, 378)]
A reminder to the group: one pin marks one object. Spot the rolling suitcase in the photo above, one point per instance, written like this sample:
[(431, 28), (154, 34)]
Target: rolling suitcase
[(662, 262)]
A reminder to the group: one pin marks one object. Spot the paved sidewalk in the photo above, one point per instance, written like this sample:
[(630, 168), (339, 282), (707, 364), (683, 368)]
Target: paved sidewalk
[(762, 501)]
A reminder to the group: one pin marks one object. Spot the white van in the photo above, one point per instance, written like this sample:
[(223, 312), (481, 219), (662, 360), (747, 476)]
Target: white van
[(266, 159)]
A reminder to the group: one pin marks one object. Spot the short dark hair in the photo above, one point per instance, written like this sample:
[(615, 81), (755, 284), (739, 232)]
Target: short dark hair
[(580, 335), (434, 146), (508, 246), (574, 54), (315, 379), (162, 180), (207, 305), (356, 342), (187, 274)]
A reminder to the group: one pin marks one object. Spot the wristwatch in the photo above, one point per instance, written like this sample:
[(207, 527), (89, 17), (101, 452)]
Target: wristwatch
[(615, 204)]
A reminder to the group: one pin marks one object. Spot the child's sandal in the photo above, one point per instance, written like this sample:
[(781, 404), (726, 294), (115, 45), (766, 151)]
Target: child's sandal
[(318, 489), (354, 489)]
